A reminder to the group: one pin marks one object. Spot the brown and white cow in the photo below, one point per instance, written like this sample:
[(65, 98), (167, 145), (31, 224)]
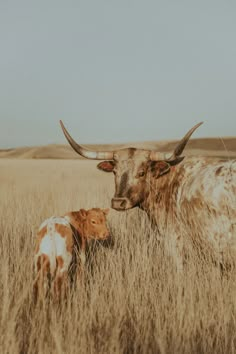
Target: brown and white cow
[(61, 241), (198, 193)]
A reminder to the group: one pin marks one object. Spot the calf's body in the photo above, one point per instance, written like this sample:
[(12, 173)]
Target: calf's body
[(61, 244)]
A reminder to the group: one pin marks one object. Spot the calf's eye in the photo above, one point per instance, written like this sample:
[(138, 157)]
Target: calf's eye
[(93, 221)]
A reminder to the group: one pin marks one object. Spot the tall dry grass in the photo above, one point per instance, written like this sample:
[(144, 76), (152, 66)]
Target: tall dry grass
[(132, 300)]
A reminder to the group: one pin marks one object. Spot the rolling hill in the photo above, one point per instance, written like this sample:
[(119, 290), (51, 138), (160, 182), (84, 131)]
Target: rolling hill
[(219, 147)]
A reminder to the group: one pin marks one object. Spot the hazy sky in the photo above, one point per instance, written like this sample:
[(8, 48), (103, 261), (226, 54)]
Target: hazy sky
[(116, 71)]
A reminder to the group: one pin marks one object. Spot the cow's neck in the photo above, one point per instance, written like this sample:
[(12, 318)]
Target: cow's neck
[(161, 194), (164, 194)]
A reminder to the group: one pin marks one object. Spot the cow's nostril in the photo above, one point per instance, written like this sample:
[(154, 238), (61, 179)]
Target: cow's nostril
[(119, 203), (123, 204)]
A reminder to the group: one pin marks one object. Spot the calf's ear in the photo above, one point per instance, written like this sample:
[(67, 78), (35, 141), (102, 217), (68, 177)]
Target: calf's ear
[(106, 166), (106, 211), (159, 168), (83, 213)]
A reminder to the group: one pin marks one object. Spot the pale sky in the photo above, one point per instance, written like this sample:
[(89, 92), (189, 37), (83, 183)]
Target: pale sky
[(116, 71)]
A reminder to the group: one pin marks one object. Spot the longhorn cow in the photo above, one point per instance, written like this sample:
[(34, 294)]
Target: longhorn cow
[(199, 193)]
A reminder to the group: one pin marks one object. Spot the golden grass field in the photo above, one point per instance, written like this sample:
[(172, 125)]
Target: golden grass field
[(132, 299)]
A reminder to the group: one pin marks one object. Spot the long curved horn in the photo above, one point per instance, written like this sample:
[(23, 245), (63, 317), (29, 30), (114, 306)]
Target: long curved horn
[(181, 145), (95, 155), (156, 156)]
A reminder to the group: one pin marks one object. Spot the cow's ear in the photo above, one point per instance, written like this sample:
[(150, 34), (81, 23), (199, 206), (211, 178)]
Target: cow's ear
[(159, 168), (106, 166)]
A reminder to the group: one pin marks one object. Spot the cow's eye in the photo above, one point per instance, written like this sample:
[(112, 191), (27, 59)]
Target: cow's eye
[(141, 173), (93, 221)]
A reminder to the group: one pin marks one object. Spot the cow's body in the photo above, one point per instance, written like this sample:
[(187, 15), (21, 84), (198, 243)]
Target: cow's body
[(61, 245), (199, 197), (194, 189), (196, 196)]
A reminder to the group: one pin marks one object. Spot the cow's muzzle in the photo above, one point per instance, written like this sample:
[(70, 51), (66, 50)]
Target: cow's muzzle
[(120, 203)]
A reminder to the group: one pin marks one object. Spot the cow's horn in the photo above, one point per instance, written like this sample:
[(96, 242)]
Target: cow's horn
[(156, 156), (95, 155), (181, 145)]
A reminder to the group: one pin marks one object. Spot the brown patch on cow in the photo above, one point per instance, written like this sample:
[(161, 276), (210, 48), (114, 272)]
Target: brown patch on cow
[(62, 229), (76, 219), (167, 188), (123, 185), (66, 232), (43, 264), (60, 281), (40, 235), (60, 262), (136, 195), (197, 203), (218, 171), (43, 268), (131, 152)]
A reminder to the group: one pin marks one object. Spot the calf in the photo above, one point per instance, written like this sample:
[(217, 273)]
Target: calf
[(60, 240)]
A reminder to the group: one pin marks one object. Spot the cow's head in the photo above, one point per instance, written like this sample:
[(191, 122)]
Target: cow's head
[(133, 168)]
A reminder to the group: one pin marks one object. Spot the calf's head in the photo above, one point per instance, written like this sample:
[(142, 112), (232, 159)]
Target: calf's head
[(132, 168), (92, 223)]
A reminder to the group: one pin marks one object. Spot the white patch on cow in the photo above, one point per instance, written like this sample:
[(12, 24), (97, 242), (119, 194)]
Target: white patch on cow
[(217, 193), (67, 217), (61, 221), (44, 223), (54, 220), (47, 247)]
